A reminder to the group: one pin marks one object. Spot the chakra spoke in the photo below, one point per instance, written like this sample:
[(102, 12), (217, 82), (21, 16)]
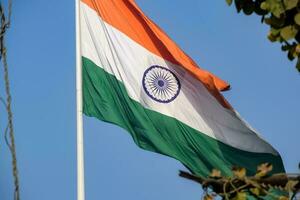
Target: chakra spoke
[(161, 84)]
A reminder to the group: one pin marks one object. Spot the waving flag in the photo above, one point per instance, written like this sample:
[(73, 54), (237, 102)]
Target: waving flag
[(136, 77)]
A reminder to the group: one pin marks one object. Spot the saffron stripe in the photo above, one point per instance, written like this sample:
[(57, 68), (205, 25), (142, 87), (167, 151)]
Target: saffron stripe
[(127, 17), (125, 59)]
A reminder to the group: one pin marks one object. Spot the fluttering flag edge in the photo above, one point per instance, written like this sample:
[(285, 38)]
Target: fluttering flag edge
[(106, 99)]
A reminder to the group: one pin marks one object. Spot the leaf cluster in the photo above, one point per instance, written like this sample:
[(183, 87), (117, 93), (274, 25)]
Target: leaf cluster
[(240, 187), (283, 18)]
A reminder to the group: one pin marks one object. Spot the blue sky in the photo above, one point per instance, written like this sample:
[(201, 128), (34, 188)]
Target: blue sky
[(41, 53)]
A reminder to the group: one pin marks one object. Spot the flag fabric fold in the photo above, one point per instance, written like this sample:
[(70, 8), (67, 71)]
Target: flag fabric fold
[(136, 77)]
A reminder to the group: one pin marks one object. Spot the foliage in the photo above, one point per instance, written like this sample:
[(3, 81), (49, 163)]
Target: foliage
[(283, 17), (241, 187)]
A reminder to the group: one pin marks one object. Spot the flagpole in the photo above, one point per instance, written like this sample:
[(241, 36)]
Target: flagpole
[(80, 149)]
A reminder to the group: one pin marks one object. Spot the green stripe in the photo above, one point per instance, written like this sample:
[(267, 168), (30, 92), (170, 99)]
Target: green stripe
[(106, 99)]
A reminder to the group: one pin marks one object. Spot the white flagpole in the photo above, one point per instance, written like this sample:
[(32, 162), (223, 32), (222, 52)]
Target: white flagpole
[(80, 149)]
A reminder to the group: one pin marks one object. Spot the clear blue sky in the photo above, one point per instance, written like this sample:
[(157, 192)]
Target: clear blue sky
[(41, 49)]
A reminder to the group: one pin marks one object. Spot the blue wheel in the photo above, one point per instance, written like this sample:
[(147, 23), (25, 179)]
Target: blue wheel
[(161, 84)]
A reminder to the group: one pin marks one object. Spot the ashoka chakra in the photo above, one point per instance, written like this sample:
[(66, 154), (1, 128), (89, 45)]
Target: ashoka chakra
[(161, 84)]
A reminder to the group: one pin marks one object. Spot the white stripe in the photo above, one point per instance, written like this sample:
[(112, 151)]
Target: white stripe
[(122, 57)]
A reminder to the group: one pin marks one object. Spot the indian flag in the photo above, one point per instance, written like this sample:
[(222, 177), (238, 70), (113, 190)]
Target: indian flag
[(136, 77)]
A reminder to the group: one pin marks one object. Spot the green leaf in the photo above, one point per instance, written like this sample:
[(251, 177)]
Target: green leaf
[(258, 9), (274, 35), (255, 191), (290, 55), (239, 172), (286, 47), (265, 6), (248, 7), (283, 198), (297, 49), (277, 10), (290, 185), (263, 169), (290, 4), (275, 22), (297, 18), (272, 38), (229, 2), (274, 6), (275, 31), (215, 173), (239, 5), (298, 65), (297, 38), (240, 196), (208, 197), (288, 32)]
